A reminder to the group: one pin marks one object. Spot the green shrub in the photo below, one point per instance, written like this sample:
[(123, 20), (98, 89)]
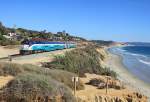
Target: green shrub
[(32, 82), (5, 42), (65, 77), (10, 69), (80, 61), (59, 75), (108, 72), (30, 87), (2, 37)]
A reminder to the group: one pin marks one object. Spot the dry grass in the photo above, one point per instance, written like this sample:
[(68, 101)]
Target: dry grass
[(30, 81), (81, 61), (28, 86), (10, 69)]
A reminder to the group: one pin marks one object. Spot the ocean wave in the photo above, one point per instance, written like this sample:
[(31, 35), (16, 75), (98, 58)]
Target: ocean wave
[(122, 50), (133, 54), (145, 62), (129, 53), (130, 45)]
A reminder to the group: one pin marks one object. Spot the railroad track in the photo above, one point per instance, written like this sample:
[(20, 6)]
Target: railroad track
[(17, 55), (12, 56)]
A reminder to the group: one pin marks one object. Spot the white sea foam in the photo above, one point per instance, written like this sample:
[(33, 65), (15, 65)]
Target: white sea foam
[(121, 50), (145, 62), (130, 45), (129, 53), (133, 54)]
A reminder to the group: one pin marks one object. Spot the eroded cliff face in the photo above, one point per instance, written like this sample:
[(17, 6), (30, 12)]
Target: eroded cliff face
[(115, 93), (103, 53), (135, 97), (94, 94)]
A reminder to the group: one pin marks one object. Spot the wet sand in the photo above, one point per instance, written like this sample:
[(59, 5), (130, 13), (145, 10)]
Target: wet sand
[(131, 81)]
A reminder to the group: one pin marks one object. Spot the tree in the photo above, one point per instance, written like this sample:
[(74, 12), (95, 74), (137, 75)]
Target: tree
[(2, 29), (44, 31), (2, 37), (64, 32), (1, 25)]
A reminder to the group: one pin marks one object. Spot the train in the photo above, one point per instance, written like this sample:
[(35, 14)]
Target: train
[(34, 46)]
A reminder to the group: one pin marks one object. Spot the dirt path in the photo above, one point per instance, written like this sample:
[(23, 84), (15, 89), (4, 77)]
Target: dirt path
[(4, 52), (4, 80)]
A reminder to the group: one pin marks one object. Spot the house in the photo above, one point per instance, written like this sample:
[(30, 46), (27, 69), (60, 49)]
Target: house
[(58, 38), (12, 36)]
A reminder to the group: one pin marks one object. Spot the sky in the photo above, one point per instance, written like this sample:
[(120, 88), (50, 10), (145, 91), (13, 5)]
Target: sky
[(117, 20)]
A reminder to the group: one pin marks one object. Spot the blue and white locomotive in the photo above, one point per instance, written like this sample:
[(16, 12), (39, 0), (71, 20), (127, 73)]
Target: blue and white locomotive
[(32, 46)]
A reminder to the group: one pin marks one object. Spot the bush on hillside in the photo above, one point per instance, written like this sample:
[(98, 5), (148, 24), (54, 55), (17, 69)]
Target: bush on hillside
[(10, 69), (6, 42), (31, 80), (59, 75), (2, 37), (108, 72), (30, 87), (80, 61)]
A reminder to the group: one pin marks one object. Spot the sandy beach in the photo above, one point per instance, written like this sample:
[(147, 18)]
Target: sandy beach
[(115, 63)]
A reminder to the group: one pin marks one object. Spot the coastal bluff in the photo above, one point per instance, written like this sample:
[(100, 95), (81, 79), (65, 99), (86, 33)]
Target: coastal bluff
[(108, 98), (92, 93)]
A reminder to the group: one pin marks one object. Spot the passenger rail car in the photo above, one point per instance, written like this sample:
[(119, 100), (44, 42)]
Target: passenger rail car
[(29, 47)]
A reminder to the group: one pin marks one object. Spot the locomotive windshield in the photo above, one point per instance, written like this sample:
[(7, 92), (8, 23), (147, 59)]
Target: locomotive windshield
[(26, 42)]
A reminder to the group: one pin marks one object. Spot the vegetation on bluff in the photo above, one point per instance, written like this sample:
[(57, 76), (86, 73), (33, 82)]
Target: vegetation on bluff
[(28, 87), (4, 41), (32, 82), (80, 61), (102, 42), (21, 34)]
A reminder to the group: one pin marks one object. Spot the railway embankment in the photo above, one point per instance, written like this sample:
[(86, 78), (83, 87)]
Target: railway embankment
[(5, 51), (35, 59)]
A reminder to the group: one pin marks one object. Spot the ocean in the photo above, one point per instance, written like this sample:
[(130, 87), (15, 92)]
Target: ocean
[(136, 58)]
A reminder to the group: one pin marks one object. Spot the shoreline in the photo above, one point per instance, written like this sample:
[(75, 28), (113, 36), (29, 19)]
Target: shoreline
[(115, 63)]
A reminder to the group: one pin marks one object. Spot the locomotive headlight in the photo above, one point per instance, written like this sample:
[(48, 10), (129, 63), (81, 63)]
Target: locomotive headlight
[(24, 47)]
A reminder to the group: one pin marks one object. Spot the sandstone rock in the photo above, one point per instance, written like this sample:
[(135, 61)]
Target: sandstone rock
[(101, 83), (107, 98)]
